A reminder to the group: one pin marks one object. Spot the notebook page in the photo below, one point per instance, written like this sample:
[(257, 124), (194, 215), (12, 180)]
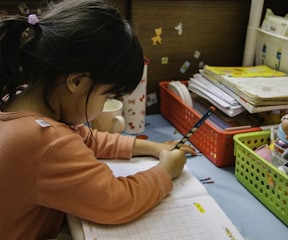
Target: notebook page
[(198, 218), (186, 185), (259, 87)]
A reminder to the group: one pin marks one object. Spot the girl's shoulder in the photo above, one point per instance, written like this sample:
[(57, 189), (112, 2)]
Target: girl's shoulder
[(32, 122)]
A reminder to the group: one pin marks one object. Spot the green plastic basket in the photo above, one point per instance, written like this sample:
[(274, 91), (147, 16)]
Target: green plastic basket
[(261, 178)]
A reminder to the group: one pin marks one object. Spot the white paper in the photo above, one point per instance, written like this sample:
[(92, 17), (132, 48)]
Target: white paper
[(179, 220), (186, 185)]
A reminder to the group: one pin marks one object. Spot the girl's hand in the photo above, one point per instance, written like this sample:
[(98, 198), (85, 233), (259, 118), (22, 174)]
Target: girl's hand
[(188, 149), (150, 148), (172, 161)]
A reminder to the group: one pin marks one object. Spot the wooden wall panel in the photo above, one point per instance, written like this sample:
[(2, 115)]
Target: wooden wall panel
[(12, 6), (122, 6), (216, 29)]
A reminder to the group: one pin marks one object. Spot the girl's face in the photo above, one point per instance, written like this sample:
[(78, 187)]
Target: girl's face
[(74, 107), (96, 100)]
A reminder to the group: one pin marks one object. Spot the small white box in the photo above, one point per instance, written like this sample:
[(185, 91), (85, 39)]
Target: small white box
[(275, 24)]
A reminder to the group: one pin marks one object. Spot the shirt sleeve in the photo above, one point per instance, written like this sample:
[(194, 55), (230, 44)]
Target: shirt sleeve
[(107, 145), (70, 179)]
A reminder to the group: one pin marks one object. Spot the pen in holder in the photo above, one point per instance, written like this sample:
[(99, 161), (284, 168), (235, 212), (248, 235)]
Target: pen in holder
[(134, 106), (195, 127)]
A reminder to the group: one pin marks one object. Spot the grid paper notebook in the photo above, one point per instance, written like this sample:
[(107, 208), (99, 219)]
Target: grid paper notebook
[(188, 213)]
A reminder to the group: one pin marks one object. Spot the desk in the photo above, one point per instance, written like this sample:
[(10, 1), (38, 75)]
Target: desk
[(253, 220)]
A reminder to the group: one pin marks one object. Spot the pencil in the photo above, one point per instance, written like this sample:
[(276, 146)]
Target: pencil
[(195, 127)]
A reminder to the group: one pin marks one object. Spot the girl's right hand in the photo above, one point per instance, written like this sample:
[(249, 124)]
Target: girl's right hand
[(172, 161)]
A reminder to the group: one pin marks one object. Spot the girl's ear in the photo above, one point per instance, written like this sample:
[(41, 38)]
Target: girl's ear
[(75, 81)]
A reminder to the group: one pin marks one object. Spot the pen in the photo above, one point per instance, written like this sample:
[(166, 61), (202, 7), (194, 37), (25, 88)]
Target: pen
[(208, 182), (205, 179), (195, 127)]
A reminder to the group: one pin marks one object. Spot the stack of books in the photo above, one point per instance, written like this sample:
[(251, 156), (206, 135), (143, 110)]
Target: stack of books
[(255, 88), (215, 95)]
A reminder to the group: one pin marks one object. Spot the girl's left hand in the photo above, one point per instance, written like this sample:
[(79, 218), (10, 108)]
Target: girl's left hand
[(188, 149), (151, 148)]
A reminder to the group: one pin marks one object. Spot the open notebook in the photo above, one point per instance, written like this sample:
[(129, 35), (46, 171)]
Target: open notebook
[(188, 213)]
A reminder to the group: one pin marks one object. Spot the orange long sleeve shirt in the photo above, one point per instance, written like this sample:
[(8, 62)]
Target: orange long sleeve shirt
[(48, 169)]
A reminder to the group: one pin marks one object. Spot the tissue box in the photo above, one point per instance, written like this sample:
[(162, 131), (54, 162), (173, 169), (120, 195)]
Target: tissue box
[(272, 50)]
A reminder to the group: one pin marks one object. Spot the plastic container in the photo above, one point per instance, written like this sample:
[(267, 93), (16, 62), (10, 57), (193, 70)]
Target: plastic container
[(272, 50), (134, 105), (268, 184), (216, 144)]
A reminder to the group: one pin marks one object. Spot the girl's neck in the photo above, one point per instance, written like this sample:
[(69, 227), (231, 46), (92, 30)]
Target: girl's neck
[(30, 99)]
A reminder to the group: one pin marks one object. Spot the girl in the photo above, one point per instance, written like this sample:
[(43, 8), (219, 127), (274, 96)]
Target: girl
[(56, 72)]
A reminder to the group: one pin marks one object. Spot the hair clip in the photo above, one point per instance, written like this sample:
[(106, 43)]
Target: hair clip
[(32, 19)]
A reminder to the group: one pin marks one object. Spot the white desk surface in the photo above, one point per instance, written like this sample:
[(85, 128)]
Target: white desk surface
[(253, 220)]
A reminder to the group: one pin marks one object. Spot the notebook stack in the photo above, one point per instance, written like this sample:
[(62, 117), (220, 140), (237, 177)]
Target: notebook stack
[(234, 89)]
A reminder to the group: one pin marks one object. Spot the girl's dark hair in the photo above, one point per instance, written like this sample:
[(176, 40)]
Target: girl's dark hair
[(74, 36)]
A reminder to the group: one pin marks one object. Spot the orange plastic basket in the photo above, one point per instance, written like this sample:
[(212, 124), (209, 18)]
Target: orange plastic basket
[(216, 144)]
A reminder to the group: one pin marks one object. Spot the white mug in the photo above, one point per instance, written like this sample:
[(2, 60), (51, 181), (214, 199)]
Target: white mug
[(110, 119)]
